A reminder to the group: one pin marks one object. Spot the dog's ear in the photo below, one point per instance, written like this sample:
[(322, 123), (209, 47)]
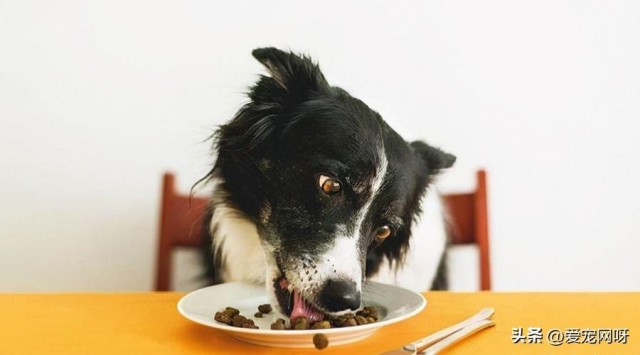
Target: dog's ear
[(293, 77), (434, 158)]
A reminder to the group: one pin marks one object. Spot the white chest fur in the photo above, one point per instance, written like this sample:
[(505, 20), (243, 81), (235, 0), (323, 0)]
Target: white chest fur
[(236, 241)]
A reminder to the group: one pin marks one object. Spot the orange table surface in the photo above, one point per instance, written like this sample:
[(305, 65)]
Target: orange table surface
[(148, 323)]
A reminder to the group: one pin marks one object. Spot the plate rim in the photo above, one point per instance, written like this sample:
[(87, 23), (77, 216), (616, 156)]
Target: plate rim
[(364, 327)]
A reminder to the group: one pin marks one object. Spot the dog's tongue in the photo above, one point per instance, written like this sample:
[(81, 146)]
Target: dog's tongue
[(302, 309)]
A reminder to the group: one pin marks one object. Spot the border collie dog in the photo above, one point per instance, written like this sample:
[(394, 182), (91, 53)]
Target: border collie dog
[(314, 194)]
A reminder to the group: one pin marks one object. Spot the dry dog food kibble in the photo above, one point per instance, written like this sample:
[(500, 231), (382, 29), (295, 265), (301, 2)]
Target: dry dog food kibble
[(348, 322), (238, 321), (361, 320), (320, 341), (264, 308), (278, 324), (368, 312), (249, 324), (222, 317), (232, 316), (232, 312), (301, 323), (321, 325)]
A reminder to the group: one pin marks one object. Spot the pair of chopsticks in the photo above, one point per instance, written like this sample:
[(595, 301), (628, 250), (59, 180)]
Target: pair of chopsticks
[(448, 336)]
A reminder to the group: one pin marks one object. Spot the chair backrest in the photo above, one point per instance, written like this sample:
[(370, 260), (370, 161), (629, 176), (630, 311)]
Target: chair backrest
[(468, 223), (180, 226)]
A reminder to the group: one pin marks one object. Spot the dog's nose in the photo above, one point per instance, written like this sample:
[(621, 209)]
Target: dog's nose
[(340, 295)]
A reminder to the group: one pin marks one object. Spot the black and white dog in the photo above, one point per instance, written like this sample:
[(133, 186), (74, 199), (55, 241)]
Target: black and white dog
[(315, 194)]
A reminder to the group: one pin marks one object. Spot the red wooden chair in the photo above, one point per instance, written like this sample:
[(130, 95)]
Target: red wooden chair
[(180, 226), (468, 223)]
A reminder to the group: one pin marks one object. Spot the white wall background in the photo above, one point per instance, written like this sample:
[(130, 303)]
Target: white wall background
[(98, 98)]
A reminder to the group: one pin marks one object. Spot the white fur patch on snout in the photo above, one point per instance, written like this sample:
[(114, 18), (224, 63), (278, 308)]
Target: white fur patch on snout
[(309, 274), (342, 261)]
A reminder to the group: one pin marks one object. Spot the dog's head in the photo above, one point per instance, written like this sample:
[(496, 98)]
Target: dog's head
[(326, 181)]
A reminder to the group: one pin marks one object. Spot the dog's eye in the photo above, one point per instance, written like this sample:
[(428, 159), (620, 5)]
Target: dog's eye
[(383, 232), (329, 185)]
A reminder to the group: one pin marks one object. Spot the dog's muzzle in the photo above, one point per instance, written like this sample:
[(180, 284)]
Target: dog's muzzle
[(335, 296)]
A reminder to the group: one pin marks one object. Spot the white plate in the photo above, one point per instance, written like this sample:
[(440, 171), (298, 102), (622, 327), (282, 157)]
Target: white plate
[(394, 304)]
